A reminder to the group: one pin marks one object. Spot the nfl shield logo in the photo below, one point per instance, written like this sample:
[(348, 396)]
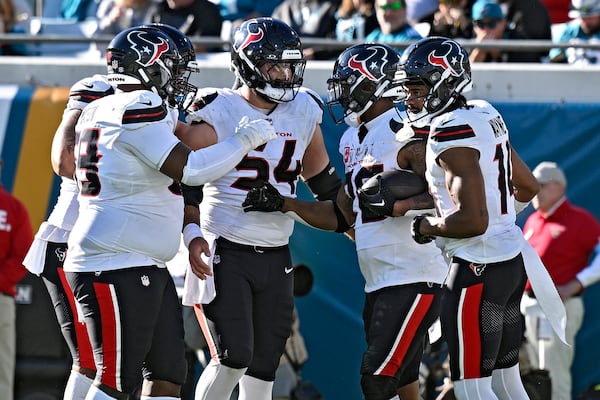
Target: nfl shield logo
[(145, 280)]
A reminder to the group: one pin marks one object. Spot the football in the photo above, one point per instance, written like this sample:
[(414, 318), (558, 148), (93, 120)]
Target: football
[(401, 183)]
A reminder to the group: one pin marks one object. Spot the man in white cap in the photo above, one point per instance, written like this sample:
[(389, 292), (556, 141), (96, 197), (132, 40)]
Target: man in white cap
[(584, 28), (565, 237)]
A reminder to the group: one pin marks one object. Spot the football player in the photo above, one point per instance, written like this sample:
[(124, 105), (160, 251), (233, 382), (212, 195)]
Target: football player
[(129, 220), (48, 250), (403, 281), (251, 312), (475, 176)]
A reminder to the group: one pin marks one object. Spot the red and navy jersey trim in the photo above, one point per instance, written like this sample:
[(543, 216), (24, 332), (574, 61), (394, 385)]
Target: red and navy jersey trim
[(87, 96), (452, 133), (145, 115), (421, 133)]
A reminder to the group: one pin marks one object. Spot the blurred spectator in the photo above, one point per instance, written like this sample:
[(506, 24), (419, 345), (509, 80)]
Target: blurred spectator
[(355, 20), (393, 25), (16, 235), (452, 20), (528, 16), (234, 12), (15, 16), (489, 23), (310, 18), (192, 17), (117, 15), (558, 10), (77, 10), (584, 28), (420, 10)]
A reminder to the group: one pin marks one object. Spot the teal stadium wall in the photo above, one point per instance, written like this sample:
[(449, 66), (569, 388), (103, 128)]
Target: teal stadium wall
[(566, 132)]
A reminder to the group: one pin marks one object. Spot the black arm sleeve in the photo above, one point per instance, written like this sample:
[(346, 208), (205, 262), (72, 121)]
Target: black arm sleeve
[(192, 195), (326, 184)]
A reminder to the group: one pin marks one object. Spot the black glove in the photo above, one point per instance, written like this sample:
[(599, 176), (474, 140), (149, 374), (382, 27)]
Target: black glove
[(380, 203), (416, 234), (263, 197)]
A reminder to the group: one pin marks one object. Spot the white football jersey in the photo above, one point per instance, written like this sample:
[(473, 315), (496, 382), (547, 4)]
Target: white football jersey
[(480, 127), (399, 259), (279, 161), (129, 215), (81, 94)]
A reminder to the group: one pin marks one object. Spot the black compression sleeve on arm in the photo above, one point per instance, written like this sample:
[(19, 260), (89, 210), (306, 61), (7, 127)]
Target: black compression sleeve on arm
[(326, 184), (192, 195)]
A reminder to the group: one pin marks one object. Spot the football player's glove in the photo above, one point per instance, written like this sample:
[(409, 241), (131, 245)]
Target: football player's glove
[(381, 202), (415, 232), (264, 197)]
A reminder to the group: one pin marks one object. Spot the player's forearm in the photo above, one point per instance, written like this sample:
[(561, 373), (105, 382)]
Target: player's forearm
[(318, 214)]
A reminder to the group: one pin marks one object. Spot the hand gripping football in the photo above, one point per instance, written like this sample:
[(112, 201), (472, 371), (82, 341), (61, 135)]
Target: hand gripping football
[(380, 192)]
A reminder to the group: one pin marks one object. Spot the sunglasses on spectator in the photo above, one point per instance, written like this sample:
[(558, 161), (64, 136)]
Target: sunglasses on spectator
[(491, 23), (397, 5)]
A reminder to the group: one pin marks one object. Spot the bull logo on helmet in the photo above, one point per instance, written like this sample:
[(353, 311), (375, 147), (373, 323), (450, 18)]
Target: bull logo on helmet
[(443, 61), (147, 50), (369, 67), (252, 38)]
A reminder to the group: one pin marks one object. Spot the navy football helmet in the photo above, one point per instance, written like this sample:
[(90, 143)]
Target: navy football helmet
[(442, 65), (267, 41), (146, 56), (362, 74)]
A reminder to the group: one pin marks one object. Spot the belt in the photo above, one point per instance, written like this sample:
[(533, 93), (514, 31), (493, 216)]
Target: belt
[(228, 244)]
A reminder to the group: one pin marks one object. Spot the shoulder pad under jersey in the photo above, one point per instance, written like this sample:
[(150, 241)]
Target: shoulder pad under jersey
[(314, 96), (203, 100), (144, 106), (87, 90)]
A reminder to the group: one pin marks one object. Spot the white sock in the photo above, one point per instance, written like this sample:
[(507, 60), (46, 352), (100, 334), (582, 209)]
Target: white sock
[(507, 384), (94, 393), (77, 386), (217, 381), (255, 389), (474, 389)]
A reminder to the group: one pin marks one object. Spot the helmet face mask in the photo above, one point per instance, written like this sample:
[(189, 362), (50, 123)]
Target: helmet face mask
[(266, 55), (442, 65), (362, 74), (182, 91)]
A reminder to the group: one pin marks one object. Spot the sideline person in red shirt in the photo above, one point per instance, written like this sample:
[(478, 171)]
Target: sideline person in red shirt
[(565, 237), (16, 235)]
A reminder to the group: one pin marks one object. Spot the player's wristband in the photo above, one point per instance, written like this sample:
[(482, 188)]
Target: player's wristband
[(191, 232), (415, 231)]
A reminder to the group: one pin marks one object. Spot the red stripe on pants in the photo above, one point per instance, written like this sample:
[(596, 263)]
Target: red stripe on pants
[(471, 331), (110, 345), (414, 320)]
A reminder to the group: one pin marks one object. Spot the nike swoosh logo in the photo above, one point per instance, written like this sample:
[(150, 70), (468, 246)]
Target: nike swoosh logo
[(381, 203), (87, 85), (148, 103), (287, 270)]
